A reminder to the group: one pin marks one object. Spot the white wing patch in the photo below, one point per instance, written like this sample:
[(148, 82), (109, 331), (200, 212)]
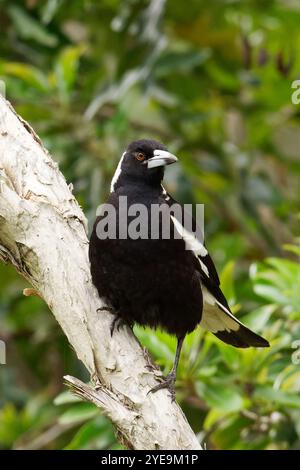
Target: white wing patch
[(203, 267), (216, 317), (191, 242), (116, 175)]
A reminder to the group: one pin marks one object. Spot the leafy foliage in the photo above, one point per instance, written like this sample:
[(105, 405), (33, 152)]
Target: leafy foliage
[(213, 81)]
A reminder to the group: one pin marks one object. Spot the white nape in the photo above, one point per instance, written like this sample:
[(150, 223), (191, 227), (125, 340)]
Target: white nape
[(116, 175)]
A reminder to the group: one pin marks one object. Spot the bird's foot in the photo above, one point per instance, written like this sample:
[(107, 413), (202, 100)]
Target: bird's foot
[(106, 308), (118, 323), (168, 383)]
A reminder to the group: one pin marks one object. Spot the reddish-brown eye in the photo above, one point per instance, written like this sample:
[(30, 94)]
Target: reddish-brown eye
[(140, 156)]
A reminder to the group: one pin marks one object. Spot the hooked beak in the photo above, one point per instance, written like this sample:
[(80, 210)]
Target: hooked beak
[(161, 158)]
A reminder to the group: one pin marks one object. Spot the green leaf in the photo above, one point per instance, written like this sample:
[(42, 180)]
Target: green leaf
[(160, 344), (292, 248), (258, 318), (291, 400), (227, 281), (271, 293), (183, 61), (66, 68), (29, 74), (229, 355), (65, 398), (220, 396), (288, 270), (29, 28), (78, 413), (89, 432), (228, 434), (49, 10), (12, 424)]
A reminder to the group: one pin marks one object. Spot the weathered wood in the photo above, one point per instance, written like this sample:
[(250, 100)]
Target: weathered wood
[(43, 234)]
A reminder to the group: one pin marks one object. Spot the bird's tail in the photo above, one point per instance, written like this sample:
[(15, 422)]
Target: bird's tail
[(243, 337)]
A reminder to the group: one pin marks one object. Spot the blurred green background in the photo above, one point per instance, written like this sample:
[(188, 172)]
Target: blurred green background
[(212, 80)]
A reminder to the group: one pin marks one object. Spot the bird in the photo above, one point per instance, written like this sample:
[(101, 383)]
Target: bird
[(169, 283)]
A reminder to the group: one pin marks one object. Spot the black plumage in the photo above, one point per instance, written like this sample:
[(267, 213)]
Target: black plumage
[(158, 282)]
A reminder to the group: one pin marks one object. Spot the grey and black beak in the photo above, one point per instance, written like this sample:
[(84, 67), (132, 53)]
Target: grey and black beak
[(161, 158)]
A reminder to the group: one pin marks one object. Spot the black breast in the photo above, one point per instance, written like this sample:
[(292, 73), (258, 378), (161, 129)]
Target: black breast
[(149, 282)]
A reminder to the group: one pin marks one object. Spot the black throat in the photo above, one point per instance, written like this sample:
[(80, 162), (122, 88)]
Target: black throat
[(151, 180)]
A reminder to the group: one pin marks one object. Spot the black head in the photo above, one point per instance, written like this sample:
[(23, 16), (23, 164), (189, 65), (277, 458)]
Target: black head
[(143, 161)]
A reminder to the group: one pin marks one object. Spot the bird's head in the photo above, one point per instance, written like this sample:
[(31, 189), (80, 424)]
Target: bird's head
[(143, 161)]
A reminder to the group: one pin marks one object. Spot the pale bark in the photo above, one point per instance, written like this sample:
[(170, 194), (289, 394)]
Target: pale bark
[(43, 233)]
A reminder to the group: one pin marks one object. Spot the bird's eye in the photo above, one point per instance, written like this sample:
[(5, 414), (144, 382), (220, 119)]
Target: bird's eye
[(140, 156)]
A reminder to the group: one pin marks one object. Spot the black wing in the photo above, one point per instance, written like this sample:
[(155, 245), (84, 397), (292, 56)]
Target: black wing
[(216, 316)]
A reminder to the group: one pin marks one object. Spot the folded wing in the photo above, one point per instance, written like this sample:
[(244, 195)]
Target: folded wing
[(216, 315)]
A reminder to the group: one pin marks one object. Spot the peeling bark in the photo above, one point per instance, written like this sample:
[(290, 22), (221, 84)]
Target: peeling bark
[(43, 233)]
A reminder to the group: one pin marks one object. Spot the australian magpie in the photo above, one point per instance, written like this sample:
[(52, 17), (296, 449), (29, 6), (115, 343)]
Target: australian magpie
[(162, 282)]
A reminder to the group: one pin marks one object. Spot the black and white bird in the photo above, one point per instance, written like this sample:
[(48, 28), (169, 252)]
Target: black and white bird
[(170, 284)]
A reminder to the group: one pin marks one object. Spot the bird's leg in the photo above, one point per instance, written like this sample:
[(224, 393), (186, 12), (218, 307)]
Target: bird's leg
[(169, 381)]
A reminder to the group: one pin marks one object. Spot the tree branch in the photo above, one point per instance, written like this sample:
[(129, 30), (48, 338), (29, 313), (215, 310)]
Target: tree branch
[(43, 234)]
